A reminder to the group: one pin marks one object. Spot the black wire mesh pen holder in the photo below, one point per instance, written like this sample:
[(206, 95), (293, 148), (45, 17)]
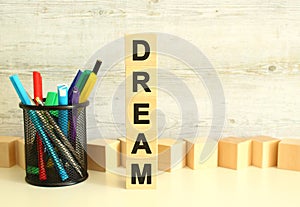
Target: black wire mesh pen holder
[(55, 144)]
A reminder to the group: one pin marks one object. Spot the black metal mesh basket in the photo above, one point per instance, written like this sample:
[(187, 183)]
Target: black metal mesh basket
[(55, 144)]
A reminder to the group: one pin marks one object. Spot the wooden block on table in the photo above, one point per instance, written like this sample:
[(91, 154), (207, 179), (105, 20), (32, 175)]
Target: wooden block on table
[(264, 151), (103, 154), (194, 148), (234, 153), (171, 154), (289, 154), (123, 151), (7, 151), (20, 153)]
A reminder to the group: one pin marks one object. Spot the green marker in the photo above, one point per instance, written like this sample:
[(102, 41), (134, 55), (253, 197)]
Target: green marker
[(82, 80), (32, 170), (52, 100)]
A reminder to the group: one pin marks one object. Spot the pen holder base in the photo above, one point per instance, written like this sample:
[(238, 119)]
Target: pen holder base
[(31, 181), (55, 144)]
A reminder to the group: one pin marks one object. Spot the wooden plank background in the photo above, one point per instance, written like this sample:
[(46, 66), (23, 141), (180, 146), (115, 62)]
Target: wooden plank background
[(254, 47)]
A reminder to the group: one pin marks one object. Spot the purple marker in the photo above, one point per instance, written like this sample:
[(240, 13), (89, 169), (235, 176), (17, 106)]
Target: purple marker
[(73, 85), (74, 100)]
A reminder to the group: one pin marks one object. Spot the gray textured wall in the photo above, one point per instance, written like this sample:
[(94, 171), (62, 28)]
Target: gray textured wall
[(254, 47)]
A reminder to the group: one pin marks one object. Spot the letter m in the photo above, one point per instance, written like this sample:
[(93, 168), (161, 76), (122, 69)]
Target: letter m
[(135, 172)]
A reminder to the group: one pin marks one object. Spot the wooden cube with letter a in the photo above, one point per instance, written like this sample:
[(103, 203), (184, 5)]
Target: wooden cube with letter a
[(264, 151), (289, 154), (7, 151), (197, 157), (171, 154), (103, 154), (234, 153)]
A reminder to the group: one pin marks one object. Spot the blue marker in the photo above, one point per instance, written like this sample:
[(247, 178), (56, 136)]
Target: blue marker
[(63, 114), (20, 89), (35, 119)]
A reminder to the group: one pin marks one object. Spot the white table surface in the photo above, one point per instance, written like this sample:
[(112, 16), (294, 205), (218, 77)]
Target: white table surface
[(210, 187)]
